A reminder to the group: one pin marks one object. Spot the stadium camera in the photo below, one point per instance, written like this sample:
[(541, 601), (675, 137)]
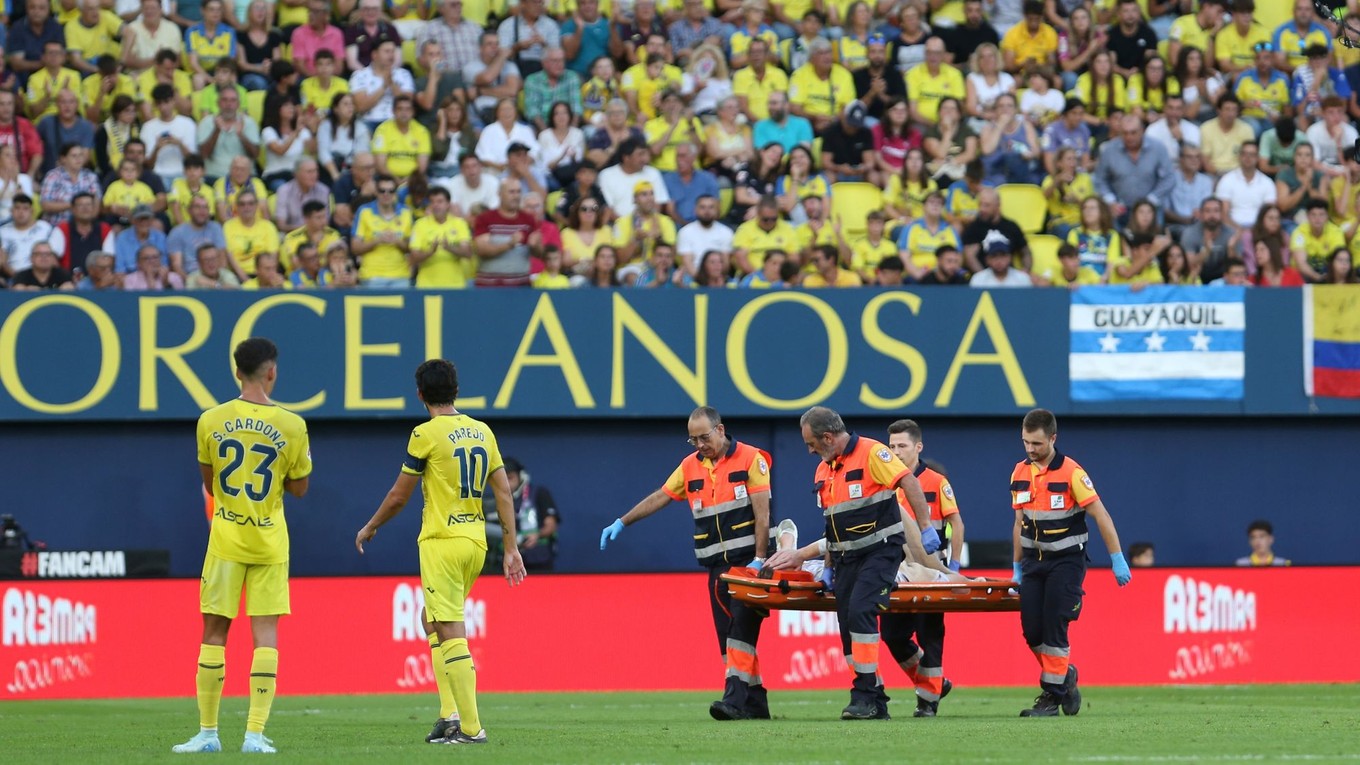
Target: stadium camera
[(12, 535), (1347, 28)]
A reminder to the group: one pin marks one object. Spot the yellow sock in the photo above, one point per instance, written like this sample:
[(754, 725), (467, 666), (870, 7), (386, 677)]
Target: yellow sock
[(212, 670), (448, 709), (264, 670), (463, 679)]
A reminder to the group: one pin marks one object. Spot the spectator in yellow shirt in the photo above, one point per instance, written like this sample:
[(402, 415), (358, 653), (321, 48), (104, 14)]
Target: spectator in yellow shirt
[(821, 89), (551, 277), (401, 145), (931, 82), (1030, 43), (92, 34), (441, 246), (126, 193), (1070, 272), (249, 233), (47, 82), (827, 260)]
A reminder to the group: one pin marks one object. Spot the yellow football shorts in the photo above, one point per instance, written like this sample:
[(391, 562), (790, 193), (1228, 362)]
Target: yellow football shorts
[(448, 567), (265, 585)]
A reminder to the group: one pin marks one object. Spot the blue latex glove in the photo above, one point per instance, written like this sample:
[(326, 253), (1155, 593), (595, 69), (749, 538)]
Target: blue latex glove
[(1016, 574), (756, 563), (954, 566), (829, 579), (930, 538), (611, 532), (1122, 574)]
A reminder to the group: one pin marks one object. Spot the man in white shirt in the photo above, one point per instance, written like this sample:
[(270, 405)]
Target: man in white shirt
[(1246, 189), (703, 234), (1172, 131), (1331, 135), (376, 85), (19, 235), (170, 135), (472, 191), (617, 182), (999, 272)]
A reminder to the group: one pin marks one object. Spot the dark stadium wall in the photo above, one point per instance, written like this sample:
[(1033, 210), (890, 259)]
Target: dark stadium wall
[(1191, 486)]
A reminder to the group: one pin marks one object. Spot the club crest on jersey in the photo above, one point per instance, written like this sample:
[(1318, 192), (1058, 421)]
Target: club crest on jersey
[(1086, 481), (948, 491), (856, 491), (885, 455), (1056, 502), (760, 464), (739, 492)]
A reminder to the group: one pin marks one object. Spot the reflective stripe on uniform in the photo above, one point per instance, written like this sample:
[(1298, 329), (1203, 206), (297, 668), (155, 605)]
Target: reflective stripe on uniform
[(1061, 544), (1053, 515), (721, 507), (864, 652), (872, 539), (856, 504), (909, 666), (728, 544)]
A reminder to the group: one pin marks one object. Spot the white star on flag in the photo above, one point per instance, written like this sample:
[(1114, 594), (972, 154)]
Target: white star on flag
[(1109, 343), (1155, 341), (1200, 341)]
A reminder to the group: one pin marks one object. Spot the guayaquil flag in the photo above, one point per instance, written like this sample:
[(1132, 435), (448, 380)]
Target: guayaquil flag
[(1331, 340), (1157, 343)]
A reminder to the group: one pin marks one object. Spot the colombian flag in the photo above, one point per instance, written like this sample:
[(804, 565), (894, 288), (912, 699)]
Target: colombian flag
[(1331, 340)]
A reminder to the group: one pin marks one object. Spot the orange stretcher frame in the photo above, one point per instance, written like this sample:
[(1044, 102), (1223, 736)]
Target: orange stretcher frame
[(798, 591)]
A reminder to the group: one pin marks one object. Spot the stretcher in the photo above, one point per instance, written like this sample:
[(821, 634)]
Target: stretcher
[(797, 590)]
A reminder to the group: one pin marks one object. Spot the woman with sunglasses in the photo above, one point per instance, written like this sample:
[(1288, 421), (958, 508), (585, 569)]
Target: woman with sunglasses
[(585, 233)]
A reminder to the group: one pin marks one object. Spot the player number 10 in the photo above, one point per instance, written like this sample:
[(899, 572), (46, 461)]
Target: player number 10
[(472, 469)]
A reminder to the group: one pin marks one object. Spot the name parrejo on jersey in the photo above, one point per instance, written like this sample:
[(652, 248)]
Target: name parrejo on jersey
[(464, 434), (263, 427)]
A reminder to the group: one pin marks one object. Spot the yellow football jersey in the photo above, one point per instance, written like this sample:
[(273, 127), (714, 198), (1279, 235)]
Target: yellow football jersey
[(246, 242), (403, 150), (454, 455), (252, 449), (442, 269), (386, 261)]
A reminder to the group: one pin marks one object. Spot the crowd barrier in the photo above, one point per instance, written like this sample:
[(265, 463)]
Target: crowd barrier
[(119, 639)]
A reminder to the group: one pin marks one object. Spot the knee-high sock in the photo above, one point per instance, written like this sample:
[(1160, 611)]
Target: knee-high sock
[(264, 669), (463, 680), (448, 709), (212, 671)]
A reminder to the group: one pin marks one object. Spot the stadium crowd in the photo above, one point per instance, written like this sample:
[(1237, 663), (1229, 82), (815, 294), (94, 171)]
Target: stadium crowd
[(302, 144)]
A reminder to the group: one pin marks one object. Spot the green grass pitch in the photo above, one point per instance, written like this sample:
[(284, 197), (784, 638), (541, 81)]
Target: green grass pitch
[(1304, 723)]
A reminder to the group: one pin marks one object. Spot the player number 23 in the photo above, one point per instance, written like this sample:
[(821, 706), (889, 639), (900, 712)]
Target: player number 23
[(237, 452), (472, 469)]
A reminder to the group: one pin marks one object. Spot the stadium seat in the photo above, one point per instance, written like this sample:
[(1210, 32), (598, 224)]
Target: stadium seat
[(851, 203), (1043, 250), (273, 204), (255, 105), (1024, 203), (725, 197), (550, 204)]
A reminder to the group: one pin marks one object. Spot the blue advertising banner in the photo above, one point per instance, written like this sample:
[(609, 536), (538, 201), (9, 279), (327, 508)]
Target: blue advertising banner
[(597, 354)]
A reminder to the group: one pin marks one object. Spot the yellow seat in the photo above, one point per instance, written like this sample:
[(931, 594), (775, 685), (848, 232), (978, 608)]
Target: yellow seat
[(851, 203), (816, 153), (1025, 204), (725, 197), (1043, 251), (286, 52), (255, 105), (550, 204), (273, 201)]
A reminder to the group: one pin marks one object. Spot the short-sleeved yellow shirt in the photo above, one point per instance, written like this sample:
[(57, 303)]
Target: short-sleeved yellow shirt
[(403, 150), (756, 91), (928, 91), (252, 450), (246, 242), (386, 261), (454, 455), (750, 237), (128, 195), (443, 269), (818, 97), (315, 94)]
